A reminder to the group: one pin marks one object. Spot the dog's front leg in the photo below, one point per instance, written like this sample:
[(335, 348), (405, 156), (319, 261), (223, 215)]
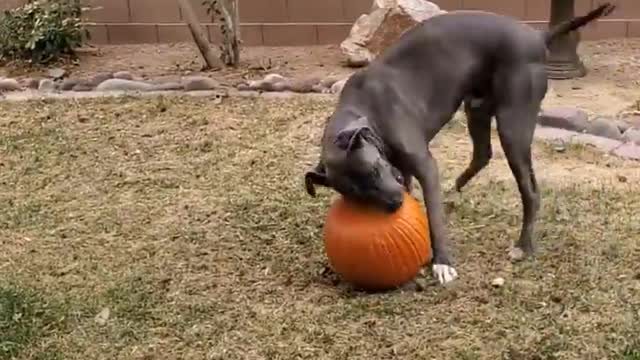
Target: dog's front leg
[(426, 172)]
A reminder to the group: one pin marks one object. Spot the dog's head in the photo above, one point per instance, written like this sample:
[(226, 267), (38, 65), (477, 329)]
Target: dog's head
[(354, 165)]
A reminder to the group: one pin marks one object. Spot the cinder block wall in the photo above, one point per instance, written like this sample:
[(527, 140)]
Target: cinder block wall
[(309, 22)]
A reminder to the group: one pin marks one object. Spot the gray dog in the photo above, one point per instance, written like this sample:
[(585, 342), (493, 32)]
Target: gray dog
[(378, 137)]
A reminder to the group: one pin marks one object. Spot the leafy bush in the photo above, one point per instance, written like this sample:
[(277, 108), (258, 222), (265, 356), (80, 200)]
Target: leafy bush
[(41, 31)]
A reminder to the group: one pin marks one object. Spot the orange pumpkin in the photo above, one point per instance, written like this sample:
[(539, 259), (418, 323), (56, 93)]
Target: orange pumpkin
[(375, 250)]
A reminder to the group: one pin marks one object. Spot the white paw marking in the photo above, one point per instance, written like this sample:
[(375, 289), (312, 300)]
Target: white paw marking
[(444, 273)]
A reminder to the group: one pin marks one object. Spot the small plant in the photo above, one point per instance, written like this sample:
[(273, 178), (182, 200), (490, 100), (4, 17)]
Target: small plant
[(41, 31)]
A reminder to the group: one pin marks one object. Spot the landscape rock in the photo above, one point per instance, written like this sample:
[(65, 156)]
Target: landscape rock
[(164, 79), (602, 143), (374, 32), (337, 87), (628, 151), (632, 121), (7, 84), (68, 84), (123, 85), (567, 118), (83, 86), (124, 75), (303, 86), (329, 81), (556, 134), (604, 127), (56, 73), (199, 83), (572, 137), (168, 86), (632, 135), (622, 125), (30, 83), (99, 78), (271, 82), (279, 83), (46, 85)]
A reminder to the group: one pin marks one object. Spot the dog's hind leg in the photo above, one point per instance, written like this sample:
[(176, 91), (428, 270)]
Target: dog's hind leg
[(479, 114), (516, 118), (516, 144)]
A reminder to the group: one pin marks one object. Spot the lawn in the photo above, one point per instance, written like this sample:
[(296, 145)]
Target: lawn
[(177, 228)]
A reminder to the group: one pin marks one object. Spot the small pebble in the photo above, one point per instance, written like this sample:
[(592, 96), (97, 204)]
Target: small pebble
[(497, 282)]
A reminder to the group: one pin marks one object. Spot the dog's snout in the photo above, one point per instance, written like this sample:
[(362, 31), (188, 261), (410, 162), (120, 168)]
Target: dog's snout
[(394, 204)]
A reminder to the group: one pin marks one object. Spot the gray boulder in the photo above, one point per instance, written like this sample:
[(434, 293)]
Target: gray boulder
[(567, 118), (604, 127), (632, 135), (199, 83)]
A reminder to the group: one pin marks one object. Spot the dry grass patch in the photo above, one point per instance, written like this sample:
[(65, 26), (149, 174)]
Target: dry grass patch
[(176, 228)]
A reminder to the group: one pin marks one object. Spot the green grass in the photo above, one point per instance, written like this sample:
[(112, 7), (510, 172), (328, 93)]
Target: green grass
[(26, 318), (187, 222)]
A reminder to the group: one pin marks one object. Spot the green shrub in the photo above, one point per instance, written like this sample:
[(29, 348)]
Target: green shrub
[(41, 31)]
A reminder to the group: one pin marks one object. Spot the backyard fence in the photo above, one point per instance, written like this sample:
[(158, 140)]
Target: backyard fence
[(309, 22)]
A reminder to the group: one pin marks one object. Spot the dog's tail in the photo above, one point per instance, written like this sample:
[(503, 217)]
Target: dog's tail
[(580, 21)]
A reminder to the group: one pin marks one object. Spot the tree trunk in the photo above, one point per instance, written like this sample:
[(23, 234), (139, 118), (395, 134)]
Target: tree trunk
[(563, 61), (230, 29), (211, 58)]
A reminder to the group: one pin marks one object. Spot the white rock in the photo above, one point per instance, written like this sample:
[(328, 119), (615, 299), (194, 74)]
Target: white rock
[(372, 33), (46, 85), (497, 282), (123, 85), (103, 316), (337, 87)]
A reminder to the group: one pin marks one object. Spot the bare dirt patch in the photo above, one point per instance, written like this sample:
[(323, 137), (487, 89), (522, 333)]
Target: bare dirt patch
[(189, 223)]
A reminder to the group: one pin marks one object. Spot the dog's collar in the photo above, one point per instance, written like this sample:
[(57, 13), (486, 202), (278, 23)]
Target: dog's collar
[(374, 139)]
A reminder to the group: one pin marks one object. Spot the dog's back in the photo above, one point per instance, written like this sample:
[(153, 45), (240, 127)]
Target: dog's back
[(464, 38)]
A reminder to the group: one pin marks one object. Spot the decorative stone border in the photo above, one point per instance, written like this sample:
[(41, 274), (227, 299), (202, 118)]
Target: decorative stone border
[(125, 81), (618, 137)]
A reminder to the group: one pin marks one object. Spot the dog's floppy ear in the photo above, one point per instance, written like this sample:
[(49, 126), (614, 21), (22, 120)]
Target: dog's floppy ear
[(352, 138), (315, 176)]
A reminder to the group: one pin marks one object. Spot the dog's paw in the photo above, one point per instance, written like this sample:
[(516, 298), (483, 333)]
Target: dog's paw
[(444, 273)]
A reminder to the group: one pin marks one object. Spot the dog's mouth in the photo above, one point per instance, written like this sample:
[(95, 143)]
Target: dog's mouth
[(388, 204), (393, 206)]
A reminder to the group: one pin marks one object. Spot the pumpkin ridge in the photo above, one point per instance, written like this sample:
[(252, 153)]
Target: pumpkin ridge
[(395, 266), (408, 246), (415, 253), (384, 253)]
